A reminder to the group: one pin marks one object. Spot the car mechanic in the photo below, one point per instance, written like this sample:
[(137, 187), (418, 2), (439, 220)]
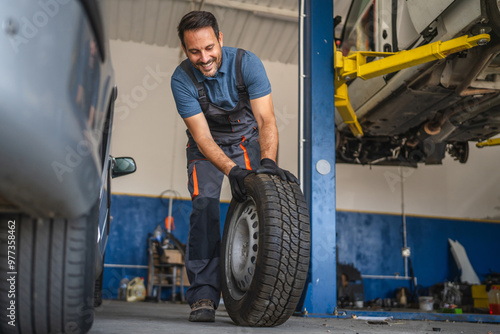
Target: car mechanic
[(223, 95)]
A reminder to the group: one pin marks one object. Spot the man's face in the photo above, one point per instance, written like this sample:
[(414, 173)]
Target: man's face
[(204, 50)]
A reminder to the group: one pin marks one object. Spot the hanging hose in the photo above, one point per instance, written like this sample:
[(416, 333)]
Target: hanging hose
[(169, 220), (413, 282)]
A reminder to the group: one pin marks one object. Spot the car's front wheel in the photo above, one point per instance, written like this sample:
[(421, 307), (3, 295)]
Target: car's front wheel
[(47, 269)]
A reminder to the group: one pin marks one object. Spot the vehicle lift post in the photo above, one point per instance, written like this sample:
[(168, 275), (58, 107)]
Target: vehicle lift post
[(318, 147)]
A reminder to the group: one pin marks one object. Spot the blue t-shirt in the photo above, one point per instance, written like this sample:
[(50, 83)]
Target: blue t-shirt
[(221, 88)]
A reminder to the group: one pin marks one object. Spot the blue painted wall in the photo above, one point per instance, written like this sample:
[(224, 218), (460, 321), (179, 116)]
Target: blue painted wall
[(134, 218), (372, 242)]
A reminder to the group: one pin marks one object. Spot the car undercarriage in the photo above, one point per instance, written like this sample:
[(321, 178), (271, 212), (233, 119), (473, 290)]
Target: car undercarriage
[(417, 115)]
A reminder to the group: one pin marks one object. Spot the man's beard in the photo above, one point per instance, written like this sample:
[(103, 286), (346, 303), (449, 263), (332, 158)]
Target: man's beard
[(215, 67)]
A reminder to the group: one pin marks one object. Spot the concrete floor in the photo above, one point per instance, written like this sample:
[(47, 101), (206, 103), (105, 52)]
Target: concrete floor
[(148, 317)]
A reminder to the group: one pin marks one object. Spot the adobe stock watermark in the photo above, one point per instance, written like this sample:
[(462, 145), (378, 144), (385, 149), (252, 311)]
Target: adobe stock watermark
[(74, 156), (11, 259), (284, 118), (393, 178), (26, 28), (130, 101)]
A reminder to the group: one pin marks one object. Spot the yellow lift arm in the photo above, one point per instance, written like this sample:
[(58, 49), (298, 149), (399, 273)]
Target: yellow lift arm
[(489, 142), (354, 65)]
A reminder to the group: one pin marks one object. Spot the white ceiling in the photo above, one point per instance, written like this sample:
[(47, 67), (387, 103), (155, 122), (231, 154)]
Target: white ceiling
[(268, 28)]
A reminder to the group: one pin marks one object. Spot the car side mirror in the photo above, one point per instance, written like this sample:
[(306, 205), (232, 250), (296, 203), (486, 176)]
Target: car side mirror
[(123, 166)]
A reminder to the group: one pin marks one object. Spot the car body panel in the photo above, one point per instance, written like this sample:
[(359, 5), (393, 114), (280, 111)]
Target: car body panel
[(422, 13), (55, 91)]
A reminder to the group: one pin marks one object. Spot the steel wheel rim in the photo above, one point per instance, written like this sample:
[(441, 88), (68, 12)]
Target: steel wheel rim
[(241, 254)]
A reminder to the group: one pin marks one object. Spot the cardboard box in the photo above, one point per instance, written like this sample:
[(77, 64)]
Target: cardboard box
[(173, 256)]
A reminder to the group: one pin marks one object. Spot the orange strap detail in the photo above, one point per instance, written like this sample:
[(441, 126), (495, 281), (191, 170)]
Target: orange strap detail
[(245, 153), (196, 191)]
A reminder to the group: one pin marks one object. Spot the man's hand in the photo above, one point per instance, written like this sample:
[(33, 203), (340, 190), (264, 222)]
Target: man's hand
[(268, 166), (237, 180)]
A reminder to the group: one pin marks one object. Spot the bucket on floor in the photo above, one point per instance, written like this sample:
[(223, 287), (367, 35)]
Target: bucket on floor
[(136, 291), (426, 303)]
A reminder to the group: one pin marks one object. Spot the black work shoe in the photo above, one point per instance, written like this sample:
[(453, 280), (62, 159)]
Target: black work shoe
[(202, 310)]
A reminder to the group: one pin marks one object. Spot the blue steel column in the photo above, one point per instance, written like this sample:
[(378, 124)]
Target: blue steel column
[(319, 154)]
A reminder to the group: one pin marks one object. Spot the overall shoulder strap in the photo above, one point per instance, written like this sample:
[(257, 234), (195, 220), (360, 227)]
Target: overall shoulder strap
[(239, 77), (186, 66)]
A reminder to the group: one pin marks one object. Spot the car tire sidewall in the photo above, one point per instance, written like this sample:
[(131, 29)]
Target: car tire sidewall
[(243, 303)]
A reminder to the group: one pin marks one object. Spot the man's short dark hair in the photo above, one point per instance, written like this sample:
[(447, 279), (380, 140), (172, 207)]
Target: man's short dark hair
[(196, 20)]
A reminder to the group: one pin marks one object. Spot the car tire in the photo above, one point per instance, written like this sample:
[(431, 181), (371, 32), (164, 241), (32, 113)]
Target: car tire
[(265, 252), (54, 266), (98, 289)]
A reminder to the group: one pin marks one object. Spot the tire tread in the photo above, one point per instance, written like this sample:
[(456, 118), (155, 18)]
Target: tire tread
[(284, 251), (55, 274)]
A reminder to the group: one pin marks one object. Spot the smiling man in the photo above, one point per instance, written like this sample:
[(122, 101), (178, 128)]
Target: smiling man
[(224, 97)]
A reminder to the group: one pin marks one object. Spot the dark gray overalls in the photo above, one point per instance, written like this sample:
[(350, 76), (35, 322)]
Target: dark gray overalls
[(235, 131)]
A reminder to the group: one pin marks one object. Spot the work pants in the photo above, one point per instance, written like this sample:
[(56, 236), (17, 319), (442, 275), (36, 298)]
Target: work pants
[(203, 246)]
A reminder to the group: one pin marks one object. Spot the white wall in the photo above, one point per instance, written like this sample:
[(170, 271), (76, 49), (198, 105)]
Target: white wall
[(148, 127), (470, 190)]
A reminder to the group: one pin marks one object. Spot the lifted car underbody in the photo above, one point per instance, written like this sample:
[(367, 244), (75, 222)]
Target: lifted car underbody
[(418, 114)]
